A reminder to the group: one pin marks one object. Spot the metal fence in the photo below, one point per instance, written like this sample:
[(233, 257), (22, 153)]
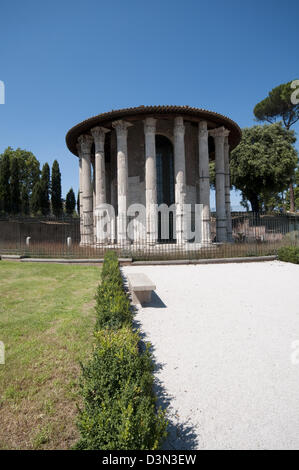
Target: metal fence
[(253, 235)]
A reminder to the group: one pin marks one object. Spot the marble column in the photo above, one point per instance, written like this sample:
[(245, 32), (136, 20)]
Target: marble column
[(93, 198), (85, 142), (179, 170), (121, 128), (98, 134), (204, 181), (150, 180), (80, 189), (219, 134), (227, 191), (113, 185)]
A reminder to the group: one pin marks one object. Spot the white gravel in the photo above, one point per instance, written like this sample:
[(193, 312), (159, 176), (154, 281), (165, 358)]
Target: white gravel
[(222, 340)]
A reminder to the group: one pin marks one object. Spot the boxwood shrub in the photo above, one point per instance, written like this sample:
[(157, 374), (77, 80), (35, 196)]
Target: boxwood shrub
[(117, 389), (119, 405), (289, 253), (113, 308)]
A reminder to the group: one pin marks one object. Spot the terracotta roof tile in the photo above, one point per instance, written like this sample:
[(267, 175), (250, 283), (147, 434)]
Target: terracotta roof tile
[(106, 119)]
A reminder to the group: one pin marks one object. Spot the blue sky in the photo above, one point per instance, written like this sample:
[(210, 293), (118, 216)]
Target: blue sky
[(64, 61)]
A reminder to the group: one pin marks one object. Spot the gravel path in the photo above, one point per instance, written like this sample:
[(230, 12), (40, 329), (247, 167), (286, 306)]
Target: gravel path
[(222, 340)]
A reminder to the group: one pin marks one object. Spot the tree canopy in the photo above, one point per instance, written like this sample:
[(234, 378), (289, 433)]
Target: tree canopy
[(5, 199), (37, 198), (29, 170), (24, 189), (78, 203), (25, 203), (263, 163), (56, 190), (15, 196), (296, 192), (70, 202), (45, 187), (278, 105)]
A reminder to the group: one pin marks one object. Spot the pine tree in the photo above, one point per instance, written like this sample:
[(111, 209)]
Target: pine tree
[(25, 209), (278, 105), (37, 198), (5, 201), (56, 190), (15, 201), (78, 203), (70, 202), (45, 184)]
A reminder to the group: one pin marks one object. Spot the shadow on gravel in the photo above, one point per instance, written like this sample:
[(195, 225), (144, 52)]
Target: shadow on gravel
[(181, 435), (156, 302)]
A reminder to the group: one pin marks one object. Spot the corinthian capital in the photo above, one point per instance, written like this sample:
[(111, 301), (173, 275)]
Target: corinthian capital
[(121, 127), (85, 141), (98, 134), (219, 132), (150, 125), (179, 127)]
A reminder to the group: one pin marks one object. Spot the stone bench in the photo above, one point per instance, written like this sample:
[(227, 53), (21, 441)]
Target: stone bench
[(141, 287)]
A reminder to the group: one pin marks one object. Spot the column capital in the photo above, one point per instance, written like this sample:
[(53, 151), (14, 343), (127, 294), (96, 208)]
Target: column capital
[(219, 132), (121, 127), (179, 127), (150, 125), (98, 133), (85, 141)]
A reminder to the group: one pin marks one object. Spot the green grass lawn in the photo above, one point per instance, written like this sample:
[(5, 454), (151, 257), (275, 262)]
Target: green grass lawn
[(46, 323)]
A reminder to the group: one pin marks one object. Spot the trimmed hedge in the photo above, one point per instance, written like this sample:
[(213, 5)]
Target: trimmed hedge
[(289, 254), (117, 383), (113, 306)]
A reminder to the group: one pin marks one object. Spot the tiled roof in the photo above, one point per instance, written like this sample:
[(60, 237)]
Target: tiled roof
[(106, 119)]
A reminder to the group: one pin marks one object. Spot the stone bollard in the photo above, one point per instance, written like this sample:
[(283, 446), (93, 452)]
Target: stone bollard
[(69, 242), (28, 241)]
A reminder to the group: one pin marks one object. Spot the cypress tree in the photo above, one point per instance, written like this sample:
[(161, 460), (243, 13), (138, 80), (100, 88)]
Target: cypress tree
[(45, 184), (25, 201), (70, 202), (37, 198), (56, 190), (5, 200), (15, 201), (78, 203)]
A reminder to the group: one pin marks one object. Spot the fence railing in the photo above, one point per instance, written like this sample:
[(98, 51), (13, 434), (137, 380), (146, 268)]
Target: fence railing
[(253, 235)]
